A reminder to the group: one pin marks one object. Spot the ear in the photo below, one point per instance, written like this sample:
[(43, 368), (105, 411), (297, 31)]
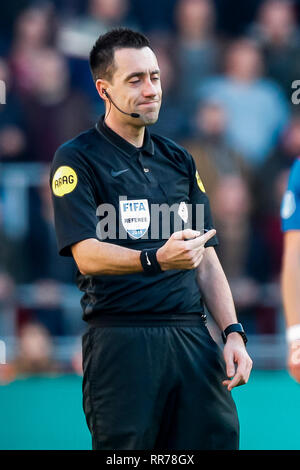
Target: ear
[(102, 85)]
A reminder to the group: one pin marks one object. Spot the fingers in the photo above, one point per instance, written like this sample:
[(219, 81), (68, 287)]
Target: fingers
[(197, 258), (200, 240), (230, 367), (241, 375), (237, 380), (295, 373), (190, 252), (294, 360), (185, 234)]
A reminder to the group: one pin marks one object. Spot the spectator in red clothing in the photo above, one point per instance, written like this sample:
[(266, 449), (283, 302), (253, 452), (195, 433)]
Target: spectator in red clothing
[(34, 355), (34, 30), (54, 111)]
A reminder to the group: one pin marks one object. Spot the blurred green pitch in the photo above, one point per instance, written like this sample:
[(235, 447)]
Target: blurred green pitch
[(46, 413)]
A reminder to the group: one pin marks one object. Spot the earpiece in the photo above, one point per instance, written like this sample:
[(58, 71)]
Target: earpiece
[(134, 115)]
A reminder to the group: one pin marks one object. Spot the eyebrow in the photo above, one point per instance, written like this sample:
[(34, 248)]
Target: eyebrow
[(140, 74)]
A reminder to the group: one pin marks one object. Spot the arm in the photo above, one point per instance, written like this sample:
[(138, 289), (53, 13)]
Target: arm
[(218, 298), (95, 258), (290, 283), (291, 277)]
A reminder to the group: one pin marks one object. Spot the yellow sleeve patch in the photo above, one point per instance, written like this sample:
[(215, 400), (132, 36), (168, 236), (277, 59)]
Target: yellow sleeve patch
[(64, 181), (199, 182)]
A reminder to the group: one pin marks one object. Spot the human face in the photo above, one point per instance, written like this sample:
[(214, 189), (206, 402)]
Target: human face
[(135, 86)]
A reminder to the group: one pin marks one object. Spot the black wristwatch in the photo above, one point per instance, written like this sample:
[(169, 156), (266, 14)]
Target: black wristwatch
[(235, 327)]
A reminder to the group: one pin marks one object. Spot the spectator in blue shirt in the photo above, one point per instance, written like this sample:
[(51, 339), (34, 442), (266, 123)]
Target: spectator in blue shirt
[(256, 107)]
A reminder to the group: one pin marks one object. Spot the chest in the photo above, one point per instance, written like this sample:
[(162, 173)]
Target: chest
[(143, 195)]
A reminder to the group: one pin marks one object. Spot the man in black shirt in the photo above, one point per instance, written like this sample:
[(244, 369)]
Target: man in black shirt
[(153, 376)]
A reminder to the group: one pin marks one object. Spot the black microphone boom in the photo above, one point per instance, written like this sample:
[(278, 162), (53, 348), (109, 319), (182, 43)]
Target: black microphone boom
[(134, 115)]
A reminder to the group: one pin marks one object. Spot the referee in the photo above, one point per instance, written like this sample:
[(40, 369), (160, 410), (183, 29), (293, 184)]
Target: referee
[(153, 376)]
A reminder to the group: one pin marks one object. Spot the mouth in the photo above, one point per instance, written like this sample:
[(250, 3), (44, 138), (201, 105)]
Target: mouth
[(148, 103)]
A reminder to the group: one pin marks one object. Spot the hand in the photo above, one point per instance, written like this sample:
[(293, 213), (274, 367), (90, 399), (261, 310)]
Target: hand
[(294, 360), (183, 250), (235, 354)]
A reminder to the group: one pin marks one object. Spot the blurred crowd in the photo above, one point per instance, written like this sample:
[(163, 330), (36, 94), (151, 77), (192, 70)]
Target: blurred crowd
[(227, 81)]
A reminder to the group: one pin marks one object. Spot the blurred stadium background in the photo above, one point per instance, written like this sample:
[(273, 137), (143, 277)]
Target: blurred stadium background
[(227, 75)]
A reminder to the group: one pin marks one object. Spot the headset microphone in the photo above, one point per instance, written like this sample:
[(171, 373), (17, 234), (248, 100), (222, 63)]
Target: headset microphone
[(134, 115)]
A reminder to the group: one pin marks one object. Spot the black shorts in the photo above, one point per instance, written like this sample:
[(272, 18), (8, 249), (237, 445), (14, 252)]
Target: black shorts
[(157, 384)]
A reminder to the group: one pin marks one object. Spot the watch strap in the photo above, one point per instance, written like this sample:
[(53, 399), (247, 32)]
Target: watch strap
[(234, 328)]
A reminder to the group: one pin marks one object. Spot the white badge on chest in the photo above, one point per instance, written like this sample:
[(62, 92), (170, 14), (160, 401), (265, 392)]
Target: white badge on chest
[(135, 216)]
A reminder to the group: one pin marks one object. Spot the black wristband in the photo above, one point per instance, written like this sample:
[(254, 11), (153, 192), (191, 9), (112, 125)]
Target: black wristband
[(234, 328), (149, 261)]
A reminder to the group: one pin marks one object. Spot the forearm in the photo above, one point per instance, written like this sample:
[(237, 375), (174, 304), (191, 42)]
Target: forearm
[(96, 258), (290, 288), (215, 289)]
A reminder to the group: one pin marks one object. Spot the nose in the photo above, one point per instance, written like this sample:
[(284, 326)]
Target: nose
[(149, 88)]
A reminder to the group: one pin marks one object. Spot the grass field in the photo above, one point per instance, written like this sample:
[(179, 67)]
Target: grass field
[(46, 413)]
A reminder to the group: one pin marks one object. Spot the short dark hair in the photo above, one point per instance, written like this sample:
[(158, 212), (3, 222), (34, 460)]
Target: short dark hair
[(102, 53)]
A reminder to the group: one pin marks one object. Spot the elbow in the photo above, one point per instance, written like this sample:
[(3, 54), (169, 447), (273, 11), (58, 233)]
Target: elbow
[(82, 269), (82, 259), (87, 258), (83, 266), (88, 268)]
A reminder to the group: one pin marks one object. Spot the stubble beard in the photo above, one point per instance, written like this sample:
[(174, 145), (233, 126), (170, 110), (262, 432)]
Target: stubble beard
[(150, 118)]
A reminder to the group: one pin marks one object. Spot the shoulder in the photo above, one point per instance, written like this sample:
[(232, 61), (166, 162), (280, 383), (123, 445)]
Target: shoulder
[(295, 169), (171, 148), (73, 148), (71, 157), (294, 177), (290, 207), (271, 88)]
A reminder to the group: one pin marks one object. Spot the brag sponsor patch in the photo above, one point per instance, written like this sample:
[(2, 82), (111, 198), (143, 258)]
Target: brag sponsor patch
[(135, 217), (288, 205), (64, 181), (199, 182)]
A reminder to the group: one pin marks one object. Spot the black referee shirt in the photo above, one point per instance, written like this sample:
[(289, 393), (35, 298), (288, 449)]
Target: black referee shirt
[(99, 173)]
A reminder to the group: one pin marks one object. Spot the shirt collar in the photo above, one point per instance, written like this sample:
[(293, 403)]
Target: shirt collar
[(116, 139)]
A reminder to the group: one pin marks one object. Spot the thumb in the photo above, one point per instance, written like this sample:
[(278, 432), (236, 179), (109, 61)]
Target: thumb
[(185, 234)]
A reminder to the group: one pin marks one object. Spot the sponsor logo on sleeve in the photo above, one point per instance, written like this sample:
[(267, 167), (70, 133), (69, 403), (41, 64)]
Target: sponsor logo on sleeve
[(199, 182), (64, 181), (288, 205)]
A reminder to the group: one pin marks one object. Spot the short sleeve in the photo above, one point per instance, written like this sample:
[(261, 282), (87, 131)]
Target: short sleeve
[(290, 207), (198, 196), (73, 199)]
